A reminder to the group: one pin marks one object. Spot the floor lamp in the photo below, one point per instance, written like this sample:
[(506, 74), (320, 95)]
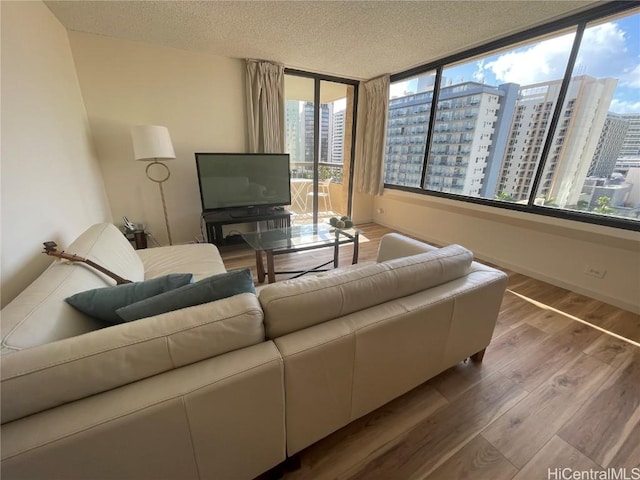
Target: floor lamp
[(152, 143)]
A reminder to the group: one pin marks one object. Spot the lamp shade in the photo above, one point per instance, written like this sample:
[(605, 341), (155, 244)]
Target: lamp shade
[(151, 142)]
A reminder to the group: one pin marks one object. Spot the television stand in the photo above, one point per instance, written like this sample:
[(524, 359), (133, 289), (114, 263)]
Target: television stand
[(253, 212), (214, 221)]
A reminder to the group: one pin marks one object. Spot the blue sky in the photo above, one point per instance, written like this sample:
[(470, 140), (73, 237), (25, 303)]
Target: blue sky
[(610, 49)]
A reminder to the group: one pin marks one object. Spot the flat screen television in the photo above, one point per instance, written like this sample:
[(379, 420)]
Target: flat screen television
[(243, 180)]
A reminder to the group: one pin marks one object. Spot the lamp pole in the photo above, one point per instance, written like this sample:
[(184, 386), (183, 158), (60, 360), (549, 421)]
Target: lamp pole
[(153, 143), (164, 202)]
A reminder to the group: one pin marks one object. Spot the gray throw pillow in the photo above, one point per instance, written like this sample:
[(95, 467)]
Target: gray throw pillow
[(207, 290), (102, 303)]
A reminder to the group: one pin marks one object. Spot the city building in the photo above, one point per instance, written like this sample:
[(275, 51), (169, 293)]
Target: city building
[(307, 132), (616, 190), (609, 146), (585, 110), (299, 138), (626, 165), (469, 137), (631, 144), (308, 127), (629, 169), (406, 138), (336, 134), (468, 140), (487, 141)]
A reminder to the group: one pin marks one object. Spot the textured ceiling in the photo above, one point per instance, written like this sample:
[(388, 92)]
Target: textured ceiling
[(354, 39)]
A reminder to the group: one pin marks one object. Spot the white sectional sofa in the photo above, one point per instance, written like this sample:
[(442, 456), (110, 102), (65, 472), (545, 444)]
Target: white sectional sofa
[(226, 389)]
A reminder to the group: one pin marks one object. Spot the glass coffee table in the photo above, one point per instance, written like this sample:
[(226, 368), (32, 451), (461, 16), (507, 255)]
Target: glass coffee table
[(297, 239)]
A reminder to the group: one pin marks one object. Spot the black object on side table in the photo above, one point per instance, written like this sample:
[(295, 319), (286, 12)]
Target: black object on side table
[(137, 236)]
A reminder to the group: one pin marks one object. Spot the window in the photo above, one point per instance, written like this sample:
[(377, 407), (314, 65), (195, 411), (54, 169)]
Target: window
[(318, 133), (601, 108), (566, 95), (409, 106)]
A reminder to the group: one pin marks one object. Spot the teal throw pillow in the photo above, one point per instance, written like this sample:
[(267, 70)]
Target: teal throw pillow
[(102, 303), (207, 290)]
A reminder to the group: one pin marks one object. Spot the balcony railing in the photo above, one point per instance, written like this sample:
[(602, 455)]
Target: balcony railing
[(325, 170), (332, 204)]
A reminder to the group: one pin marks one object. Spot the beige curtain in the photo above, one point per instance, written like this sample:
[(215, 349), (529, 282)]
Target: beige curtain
[(265, 106), (372, 125)]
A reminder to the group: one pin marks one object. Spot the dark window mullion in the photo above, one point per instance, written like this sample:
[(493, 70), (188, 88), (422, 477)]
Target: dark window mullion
[(316, 145), (432, 122), (564, 88), (352, 159)]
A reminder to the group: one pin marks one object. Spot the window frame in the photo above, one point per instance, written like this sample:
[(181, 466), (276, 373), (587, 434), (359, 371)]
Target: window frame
[(317, 79), (578, 21)]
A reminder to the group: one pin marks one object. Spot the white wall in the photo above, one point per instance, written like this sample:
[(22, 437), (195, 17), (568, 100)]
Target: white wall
[(550, 249), (198, 97), (52, 188)]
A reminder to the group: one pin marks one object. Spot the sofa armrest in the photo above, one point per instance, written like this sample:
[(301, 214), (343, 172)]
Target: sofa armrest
[(395, 245)]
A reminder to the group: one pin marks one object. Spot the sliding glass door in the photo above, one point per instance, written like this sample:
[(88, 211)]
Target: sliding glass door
[(319, 133)]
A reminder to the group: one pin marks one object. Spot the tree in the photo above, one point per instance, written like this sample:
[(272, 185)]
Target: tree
[(603, 206), (505, 197)]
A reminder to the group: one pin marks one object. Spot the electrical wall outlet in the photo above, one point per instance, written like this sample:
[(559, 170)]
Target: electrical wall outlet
[(594, 271)]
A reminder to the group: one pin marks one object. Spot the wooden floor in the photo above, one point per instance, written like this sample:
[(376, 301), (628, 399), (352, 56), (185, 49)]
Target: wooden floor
[(554, 391)]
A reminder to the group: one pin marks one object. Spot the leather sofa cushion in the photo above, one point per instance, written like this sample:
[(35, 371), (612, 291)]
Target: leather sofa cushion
[(40, 315), (43, 377), (200, 259), (293, 305)]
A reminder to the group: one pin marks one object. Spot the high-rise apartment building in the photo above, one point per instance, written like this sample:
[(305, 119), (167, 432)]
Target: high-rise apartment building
[(631, 144), (574, 144), (609, 146), (300, 134), (307, 132), (308, 135), (336, 135), (468, 140), (325, 121), (406, 138), (469, 136), (487, 141)]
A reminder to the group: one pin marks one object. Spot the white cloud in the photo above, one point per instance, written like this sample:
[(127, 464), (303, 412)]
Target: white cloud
[(631, 78), (603, 53), (622, 106), (541, 62), (478, 75)]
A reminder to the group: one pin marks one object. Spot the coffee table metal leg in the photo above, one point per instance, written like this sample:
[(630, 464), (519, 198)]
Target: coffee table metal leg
[(259, 266), (336, 253), (271, 273)]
